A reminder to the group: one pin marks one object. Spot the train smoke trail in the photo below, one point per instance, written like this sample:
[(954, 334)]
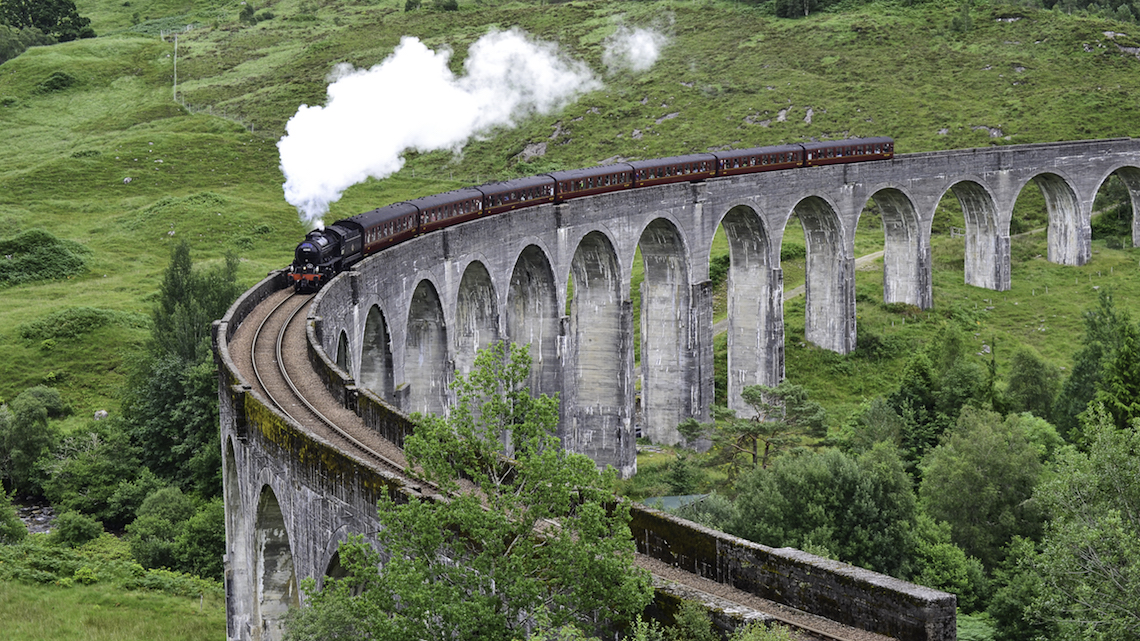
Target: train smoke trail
[(634, 49), (412, 100)]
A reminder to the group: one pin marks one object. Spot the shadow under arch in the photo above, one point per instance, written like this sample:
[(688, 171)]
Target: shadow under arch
[(376, 355), (906, 251), (1069, 235), (987, 253), (755, 307), (275, 579), (667, 378), (533, 317), (342, 357), (597, 419), (476, 316), (829, 310), (426, 367)]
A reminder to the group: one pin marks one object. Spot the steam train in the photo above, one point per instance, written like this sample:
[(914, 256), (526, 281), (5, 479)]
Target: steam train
[(326, 252)]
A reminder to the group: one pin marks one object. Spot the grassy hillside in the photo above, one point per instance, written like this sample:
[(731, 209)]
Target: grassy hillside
[(82, 117)]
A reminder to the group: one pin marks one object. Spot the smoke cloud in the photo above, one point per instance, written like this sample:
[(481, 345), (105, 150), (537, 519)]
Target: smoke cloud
[(412, 100), (632, 49)]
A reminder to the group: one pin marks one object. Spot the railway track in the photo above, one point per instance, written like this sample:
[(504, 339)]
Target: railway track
[(271, 342), (277, 347)]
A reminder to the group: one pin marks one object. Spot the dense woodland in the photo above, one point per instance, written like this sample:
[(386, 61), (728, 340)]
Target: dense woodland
[(987, 447)]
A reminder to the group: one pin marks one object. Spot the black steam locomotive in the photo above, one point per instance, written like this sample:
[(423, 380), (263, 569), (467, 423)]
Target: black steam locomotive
[(326, 252)]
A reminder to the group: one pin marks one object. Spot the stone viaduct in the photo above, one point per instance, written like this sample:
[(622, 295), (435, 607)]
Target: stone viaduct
[(390, 336)]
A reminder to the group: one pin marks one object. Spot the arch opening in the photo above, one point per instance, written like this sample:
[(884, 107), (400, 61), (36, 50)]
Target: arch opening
[(476, 316), (342, 357), (1115, 208), (905, 250), (668, 384), (276, 580), (426, 368), (755, 305), (829, 312), (1068, 233), (533, 318), (376, 355), (986, 256), (597, 421)]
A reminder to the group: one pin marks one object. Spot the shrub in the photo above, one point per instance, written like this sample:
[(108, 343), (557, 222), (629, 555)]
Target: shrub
[(38, 255), (73, 529), (792, 251), (76, 321), (57, 81), (446, 5), (12, 530)]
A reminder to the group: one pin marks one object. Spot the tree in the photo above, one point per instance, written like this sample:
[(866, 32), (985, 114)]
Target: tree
[(537, 535), (1119, 387), (12, 530), (26, 436), (171, 401), (1089, 557), (14, 41), (1099, 343), (860, 510), (1033, 384), (159, 521), (60, 18), (780, 414), (979, 480), (87, 469)]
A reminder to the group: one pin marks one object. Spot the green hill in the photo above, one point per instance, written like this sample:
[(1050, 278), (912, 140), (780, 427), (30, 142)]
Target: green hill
[(82, 117)]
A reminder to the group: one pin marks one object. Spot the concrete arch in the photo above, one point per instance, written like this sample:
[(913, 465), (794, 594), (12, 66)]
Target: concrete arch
[(755, 306), (376, 366), (666, 342), (906, 250), (275, 578), (1069, 235), (1130, 176), (342, 353), (987, 250), (533, 317), (476, 315), (829, 283), (427, 371), (600, 363)]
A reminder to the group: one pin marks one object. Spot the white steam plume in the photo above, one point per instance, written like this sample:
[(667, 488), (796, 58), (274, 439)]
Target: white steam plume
[(411, 100), (633, 49)]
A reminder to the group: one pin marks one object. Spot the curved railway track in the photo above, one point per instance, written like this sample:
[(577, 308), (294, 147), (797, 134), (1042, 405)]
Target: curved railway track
[(279, 339)]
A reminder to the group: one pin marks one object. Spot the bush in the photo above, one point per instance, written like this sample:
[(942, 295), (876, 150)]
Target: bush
[(38, 255), (12, 530), (792, 251), (73, 529), (74, 322), (15, 41), (57, 81), (446, 5)]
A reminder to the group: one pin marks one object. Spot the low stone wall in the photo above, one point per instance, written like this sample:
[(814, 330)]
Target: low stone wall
[(838, 591)]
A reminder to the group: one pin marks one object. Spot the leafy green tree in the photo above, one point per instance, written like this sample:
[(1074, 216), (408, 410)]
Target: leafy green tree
[(861, 510), (537, 534), (160, 520), (941, 564), (171, 401), (14, 41), (87, 469), (73, 529), (1089, 556), (1119, 387), (202, 541), (1098, 345), (60, 18), (1018, 587), (26, 436), (1033, 384), (781, 414), (874, 422), (980, 480)]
